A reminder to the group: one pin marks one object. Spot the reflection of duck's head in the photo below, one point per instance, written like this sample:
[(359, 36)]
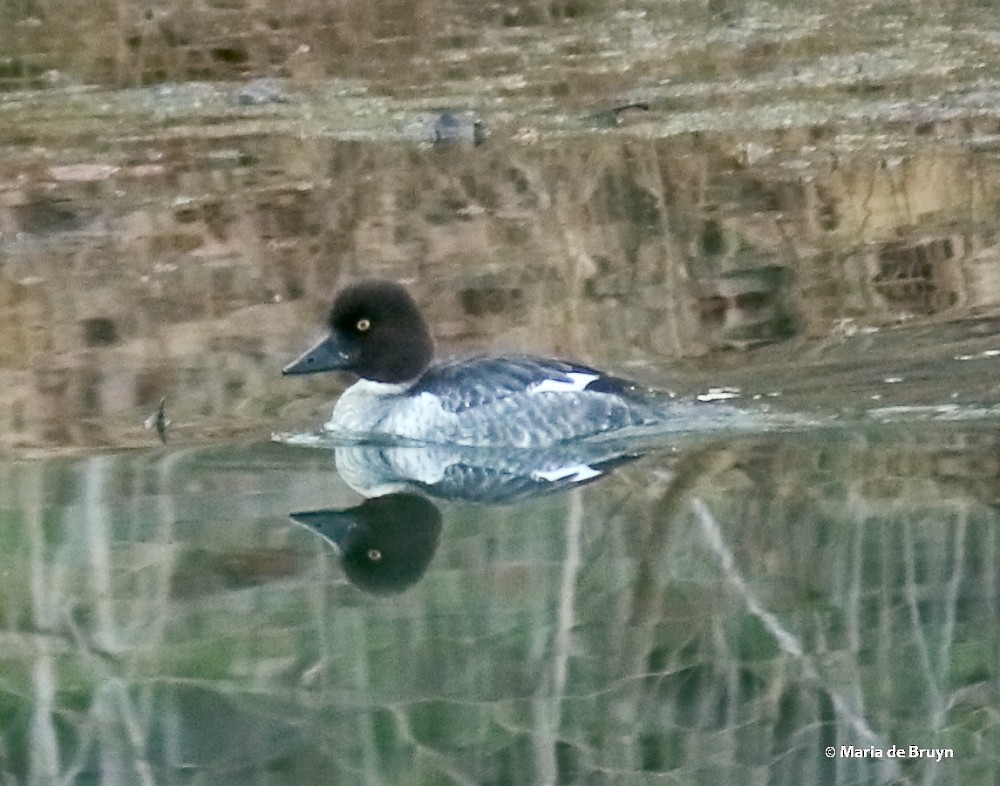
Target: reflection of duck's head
[(377, 332), (385, 543)]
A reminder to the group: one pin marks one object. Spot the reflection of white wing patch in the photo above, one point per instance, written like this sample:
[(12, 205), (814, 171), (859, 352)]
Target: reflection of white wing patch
[(577, 381), (574, 472)]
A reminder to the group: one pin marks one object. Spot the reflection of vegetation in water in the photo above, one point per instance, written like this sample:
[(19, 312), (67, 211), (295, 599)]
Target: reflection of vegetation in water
[(172, 240), (778, 596), (610, 250)]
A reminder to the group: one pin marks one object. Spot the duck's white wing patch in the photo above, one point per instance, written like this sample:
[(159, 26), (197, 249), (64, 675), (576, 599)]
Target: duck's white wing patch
[(575, 473), (577, 381)]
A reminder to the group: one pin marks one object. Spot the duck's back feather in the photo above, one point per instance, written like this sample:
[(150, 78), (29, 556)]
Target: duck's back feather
[(468, 383)]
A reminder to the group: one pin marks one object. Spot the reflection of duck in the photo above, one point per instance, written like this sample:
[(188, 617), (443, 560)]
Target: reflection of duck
[(385, 543), (376, 331), (475, 474)]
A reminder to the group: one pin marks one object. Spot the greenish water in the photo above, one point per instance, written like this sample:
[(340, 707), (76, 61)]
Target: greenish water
[(720, 611)]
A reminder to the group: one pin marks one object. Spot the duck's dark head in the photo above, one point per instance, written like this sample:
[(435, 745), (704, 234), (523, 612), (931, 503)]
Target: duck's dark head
[(376, 332)]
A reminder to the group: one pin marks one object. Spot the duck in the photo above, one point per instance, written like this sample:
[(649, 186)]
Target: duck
[(376, 331)]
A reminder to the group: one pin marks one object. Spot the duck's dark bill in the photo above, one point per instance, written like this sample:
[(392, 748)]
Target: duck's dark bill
[(334, 525), (324, 356)]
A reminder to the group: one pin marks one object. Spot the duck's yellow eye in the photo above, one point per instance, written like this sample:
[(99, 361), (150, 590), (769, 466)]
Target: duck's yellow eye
[(363, 324), (374, 555)]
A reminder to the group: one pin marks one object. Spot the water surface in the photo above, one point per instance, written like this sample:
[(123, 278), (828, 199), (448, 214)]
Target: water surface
[(722, 609)]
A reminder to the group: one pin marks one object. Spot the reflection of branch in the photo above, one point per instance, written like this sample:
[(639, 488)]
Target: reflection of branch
[(44, 749), (918, 630), (548, 703), (136, 733), (567, 592), (44, 765), (951, 606), (785, 639), (97, 542)]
